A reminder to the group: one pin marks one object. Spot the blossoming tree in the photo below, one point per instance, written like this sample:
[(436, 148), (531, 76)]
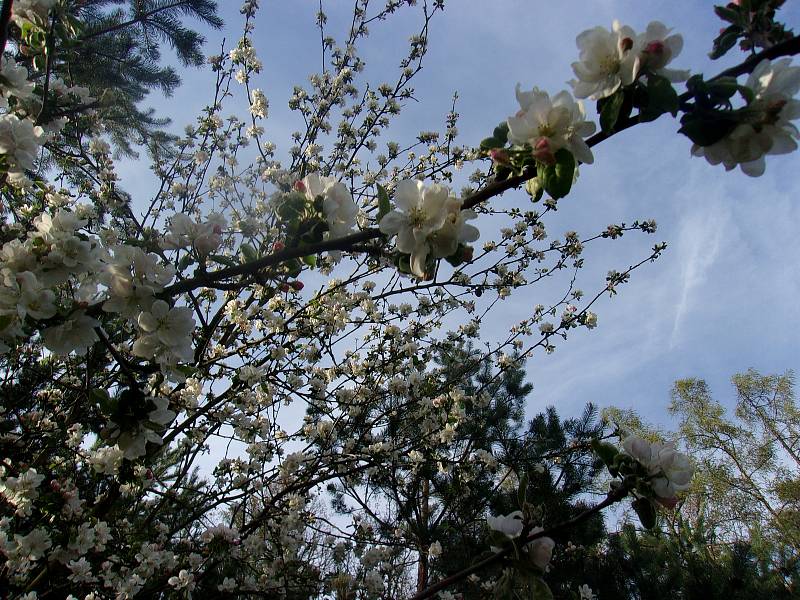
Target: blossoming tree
[(139, 335)]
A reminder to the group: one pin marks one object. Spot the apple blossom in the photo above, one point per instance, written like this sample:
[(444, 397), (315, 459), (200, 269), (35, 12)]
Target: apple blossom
[(607, 61), (551, 124), (76, 334), (766, 127), (670, 471), (20, 141), (166, 334), (540, 549), (338, 206), (658, 48), (429, 222)]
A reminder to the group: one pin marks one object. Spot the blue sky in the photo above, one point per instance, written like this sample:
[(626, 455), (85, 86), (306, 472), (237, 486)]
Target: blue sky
[(723, 298)]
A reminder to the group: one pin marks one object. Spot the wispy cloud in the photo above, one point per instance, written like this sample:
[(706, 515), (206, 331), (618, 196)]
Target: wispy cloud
[(699, 239)]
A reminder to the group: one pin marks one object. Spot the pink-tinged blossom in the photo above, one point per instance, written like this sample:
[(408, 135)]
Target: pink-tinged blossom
[(204, 237), (607, 61), (550, 124), (429, 222), (767, 127), (31, 10), (658, 48)]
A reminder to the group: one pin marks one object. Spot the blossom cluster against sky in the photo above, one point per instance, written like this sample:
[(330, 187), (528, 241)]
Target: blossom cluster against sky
[(723, 297)]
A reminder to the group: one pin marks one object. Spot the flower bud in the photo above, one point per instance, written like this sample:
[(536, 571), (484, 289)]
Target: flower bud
[(626, 44), (297, 285)]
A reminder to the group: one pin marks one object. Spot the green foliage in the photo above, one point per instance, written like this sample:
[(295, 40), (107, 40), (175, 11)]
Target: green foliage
[(556, 179)]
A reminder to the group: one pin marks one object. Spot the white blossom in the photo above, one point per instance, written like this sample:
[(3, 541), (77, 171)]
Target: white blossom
[(767, 127), (20, 141), (551, 124), (607, 60), (670, 471), (428, 222), (76, 334), (338, 206), (166, 334), (657, 48)]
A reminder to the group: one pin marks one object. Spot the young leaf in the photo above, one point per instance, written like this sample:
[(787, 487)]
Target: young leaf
[(500, 133), (646, 512), (661, 98), (609, 110), (249, 253), (384, 206), (557, 179)]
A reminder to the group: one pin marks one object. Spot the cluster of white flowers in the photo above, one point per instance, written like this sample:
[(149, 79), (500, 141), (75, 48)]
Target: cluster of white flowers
[(21, 491), (767, 127), (20, 142), (204, 237), (17, 83), (259, 105), (549, 124), (670, 471), (429, 222), (511, 525), (609, 60), (338, 206)]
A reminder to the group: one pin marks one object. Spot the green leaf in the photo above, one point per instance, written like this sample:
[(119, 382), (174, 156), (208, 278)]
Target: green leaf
[(661, 98), (646, 511), (500, 133), (5, 321), (609, 110), (248, 252), (725, 41), (730, 15), (557, 179), (103, 400), (310, 260), (490, 142), (723, 88), (705, 132), (223, 260), (384, 206), (607, 452)]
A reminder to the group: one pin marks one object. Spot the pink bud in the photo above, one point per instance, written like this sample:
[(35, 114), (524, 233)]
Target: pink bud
[(543, 152), (499, 156), (655, 47), (297, 285), (278, 246), (284, 287), (148, 474), (299, 186), (668, 502), (55, 486), (626, 44)]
